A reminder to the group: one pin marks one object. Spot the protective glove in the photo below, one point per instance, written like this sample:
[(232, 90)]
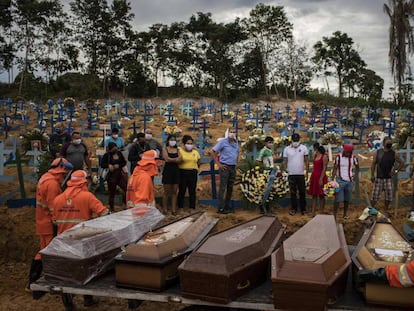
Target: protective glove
[(377, 275)]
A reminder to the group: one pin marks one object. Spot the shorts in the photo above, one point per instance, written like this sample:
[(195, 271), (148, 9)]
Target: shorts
[(345, 191), (382, 184)]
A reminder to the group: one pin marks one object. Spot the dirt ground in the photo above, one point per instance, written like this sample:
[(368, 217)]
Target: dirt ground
[(18, 242)]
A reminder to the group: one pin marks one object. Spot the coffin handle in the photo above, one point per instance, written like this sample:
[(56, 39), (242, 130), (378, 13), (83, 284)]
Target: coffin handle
[(241, 286), (171, 277)]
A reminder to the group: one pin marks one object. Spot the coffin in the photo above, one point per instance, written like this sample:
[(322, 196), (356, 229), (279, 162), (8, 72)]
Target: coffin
[(88, 250), (380, 246), (152, 263), (311, 266), (229, 263)]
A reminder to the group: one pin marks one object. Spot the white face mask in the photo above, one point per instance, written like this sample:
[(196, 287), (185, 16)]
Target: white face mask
[(77, 141), (189, 147), (232, 135), (295, 144), (115, 136), (148, 136), (172, 143)]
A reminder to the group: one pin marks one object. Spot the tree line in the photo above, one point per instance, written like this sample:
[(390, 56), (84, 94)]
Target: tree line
[(254, 56)]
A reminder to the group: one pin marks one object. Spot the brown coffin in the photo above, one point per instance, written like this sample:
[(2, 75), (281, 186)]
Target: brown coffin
[(310, 268), (152, 262), (231, 262), (369, 254)]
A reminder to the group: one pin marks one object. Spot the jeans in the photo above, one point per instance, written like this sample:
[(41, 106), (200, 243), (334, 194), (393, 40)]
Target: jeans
[(227, 178), (297, 183)]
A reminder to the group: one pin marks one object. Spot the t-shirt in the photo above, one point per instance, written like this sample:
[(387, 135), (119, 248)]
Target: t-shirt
[(266, 156), (75, 154), (190, 160), (296, 159), (118, 141), (345, 166), (229, 151)]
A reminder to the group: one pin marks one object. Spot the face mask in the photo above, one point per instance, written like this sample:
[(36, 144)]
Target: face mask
[(115, 136), (148, 136), (77, 141), (172, 143), (295, 144), (389, 145), (232, 135), (189, 147)]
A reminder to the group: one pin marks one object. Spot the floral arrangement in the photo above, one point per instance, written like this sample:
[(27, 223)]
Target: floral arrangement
[(279, 126), (254, 182), (348, 134), (257, 131), (97, 142), (282, 141), (330, 188), (172, 130), (32, 135), (405, 130), (257, 140), (331, 138), (250, 125), (374, 139), (68, 101)]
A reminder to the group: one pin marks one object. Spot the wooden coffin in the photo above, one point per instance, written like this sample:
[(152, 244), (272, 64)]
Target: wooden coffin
[(380, 246), (231, 262), (152, 263), (310, 269), (88, 250)]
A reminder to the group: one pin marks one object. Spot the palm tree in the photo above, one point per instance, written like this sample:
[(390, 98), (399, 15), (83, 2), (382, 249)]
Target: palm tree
[(401, 41)]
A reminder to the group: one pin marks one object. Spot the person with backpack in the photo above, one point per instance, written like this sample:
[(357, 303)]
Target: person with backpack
[(385, 164), (345, 167)]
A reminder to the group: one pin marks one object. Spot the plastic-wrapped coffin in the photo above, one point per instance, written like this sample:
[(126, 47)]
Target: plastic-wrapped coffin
[(152, 263), (88, 250), (380, 246), (230, 263), (310, 268)]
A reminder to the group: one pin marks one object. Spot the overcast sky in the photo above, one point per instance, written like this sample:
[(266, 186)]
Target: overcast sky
[(363, 20)]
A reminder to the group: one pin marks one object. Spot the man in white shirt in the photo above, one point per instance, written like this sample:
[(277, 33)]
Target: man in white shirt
[(295, 159), (345, 166)]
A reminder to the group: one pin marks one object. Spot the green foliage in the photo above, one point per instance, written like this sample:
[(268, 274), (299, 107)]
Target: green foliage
[(32, 135)]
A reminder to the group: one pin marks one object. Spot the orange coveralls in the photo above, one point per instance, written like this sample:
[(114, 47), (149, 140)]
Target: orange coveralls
[(75, 205), (400, 276), (140, 189), (48, 188)]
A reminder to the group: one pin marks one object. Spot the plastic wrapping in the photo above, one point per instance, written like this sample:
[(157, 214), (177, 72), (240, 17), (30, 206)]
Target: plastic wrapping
[(88, 249)]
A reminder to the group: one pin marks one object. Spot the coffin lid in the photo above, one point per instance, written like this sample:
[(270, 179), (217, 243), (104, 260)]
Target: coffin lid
[(382, 245), (317, 252), (229, 250), (170, 240)]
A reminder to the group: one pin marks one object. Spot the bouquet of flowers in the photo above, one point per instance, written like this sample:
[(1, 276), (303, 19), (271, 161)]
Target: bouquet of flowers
[(254, 182), (405, 130), (250, 125), (282, 141), (348, 134), (279, 126), (172, 130), (331, 138), (249, 144), (68, 101), (330, 188), (374, 139)]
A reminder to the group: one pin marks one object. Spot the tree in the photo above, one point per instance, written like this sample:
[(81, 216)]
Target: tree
[(30, 16), (6, 46), (268, 27), (401, 41), (336, 56)]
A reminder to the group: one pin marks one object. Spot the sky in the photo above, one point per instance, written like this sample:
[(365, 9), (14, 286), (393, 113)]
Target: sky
[(362, 20)]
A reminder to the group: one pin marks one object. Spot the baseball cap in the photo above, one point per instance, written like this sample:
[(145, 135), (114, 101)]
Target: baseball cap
[(295, 137)]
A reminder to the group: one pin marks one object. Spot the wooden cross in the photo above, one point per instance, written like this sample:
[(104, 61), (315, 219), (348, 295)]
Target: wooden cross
[(6, 152)]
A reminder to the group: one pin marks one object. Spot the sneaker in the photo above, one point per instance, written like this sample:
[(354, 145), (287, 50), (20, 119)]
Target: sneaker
[(292, 212)]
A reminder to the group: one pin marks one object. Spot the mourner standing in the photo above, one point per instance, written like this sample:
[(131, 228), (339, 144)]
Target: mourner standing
[(385, 164), (228, 148), (345, 167), (296, 161), (76, 152), (118, 175), (137, 149)]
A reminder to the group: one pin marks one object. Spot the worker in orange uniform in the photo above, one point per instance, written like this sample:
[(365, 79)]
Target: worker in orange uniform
[(73, 206), (48, 187), (140, 189), (394, 275)]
